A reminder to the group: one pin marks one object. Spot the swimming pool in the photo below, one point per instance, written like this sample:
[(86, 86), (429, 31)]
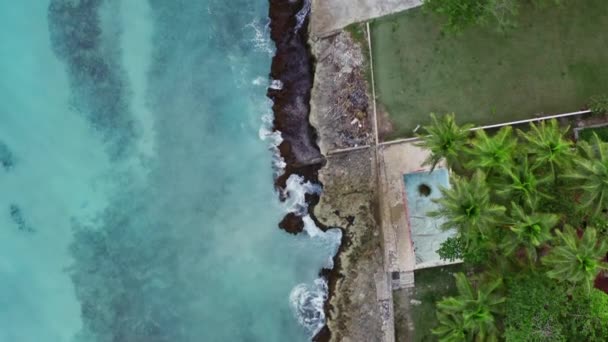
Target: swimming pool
[(421, 188)]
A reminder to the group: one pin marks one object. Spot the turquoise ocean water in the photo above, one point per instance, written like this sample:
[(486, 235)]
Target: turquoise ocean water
[(136, 178)]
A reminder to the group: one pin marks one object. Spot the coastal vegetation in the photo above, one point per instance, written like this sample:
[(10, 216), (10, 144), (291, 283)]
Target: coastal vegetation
[(530, 208), (552, 61), (598, 104), (502, 14)]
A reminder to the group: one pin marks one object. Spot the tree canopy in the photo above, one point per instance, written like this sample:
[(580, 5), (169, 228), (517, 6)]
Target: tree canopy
[(531, 205)]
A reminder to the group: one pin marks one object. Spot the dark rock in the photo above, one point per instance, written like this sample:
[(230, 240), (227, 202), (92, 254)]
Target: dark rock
[(292, 223), (293, 66)]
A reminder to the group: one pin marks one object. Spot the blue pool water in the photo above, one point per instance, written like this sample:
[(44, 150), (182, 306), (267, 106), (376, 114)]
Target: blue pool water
[(136, 190), (421, 189)]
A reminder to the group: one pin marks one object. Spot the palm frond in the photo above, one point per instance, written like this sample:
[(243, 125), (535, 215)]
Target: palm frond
[(445, 139), (577, 260), (548, 145)]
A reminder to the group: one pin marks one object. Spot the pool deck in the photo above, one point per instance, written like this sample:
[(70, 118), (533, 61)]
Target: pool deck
[(394, 161)]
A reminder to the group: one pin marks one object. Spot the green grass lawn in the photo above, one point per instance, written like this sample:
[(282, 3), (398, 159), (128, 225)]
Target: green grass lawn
[(432, 284), (553, 62)]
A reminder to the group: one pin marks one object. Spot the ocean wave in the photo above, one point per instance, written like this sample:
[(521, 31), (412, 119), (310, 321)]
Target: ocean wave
[(307, 300), (330, 239), (295, 202), (295, 194), (307, 304), (274, 139)]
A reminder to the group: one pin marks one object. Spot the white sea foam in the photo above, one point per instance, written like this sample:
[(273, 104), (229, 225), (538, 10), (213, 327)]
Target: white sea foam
[(307, 304), (307, 300), (266, 134), (301, 15), (330, 239), (260, 81), (276, 85), (295, 202), (274, 139), (261, 40), (295, 194)]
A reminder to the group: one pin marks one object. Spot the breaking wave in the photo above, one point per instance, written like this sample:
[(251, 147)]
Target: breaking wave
[(274, 139), (307, 303), (295, 194), (307, 300)]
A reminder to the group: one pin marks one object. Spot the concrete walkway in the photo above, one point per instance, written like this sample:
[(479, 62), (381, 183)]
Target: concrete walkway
[(384, 294), (329, 16)]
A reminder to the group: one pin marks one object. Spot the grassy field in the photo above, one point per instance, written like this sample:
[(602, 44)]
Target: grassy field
[(553, 62), (432, 284)]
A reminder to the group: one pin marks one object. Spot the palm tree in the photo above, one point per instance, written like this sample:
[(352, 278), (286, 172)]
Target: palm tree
[(548, 145), (466, 207), (451, 327), (523, 185), (591, 173), (471, 315), (445, 139), (493, 153), (577, 260), (528, 231)]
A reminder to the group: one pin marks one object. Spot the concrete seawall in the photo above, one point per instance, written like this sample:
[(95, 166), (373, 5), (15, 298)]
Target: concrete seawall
[(330, 16)]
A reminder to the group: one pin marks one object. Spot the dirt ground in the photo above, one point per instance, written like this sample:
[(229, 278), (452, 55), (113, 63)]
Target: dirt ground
[(341, 102)]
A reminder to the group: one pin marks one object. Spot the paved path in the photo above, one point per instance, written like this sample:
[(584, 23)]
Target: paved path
[(329, 16), (384, 294)]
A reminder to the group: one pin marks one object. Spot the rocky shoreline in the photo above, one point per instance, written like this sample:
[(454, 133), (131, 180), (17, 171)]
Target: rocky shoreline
[(292, 75), (292, 67), (320, 104)]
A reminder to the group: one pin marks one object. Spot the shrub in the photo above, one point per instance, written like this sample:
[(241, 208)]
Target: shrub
[(538, 309), (533, 310), (599, 104), (451, 249), (454, 248), (587, 316), (501, 14), (458, 13)]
